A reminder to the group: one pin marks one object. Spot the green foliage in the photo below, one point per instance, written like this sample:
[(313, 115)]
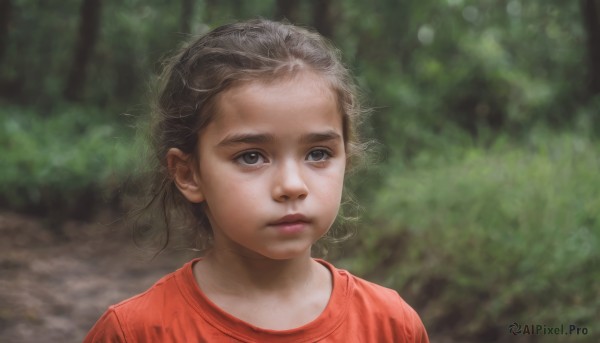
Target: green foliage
[(56, 162), (489, 237), (484, 67)]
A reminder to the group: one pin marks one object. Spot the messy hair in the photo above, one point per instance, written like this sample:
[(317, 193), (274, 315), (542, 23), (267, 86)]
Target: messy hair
[(193, 78)]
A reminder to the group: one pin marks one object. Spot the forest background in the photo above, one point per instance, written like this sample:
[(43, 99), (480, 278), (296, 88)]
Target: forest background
[(482, 203)]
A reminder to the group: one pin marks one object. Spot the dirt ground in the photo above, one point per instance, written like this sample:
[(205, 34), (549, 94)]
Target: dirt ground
[(56, 281)]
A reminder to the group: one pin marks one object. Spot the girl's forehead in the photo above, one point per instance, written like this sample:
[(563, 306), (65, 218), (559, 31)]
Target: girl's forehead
[(306, 88), (304, 78), (287, 101)]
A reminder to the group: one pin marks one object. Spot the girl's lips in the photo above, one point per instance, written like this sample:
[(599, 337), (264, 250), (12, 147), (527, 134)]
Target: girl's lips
[(291, 218), (291, 224)]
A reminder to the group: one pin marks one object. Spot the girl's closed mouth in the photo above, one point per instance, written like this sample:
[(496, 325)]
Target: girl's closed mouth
[(291, 223), (290, 219)]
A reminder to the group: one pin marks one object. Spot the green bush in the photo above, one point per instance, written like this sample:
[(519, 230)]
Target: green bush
[(63, 161), (486, 238)]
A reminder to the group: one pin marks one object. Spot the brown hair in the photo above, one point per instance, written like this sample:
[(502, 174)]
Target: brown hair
[(191, 80)]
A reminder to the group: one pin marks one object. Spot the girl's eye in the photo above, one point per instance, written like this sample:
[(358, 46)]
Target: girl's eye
[(318, 155), (250, 158)]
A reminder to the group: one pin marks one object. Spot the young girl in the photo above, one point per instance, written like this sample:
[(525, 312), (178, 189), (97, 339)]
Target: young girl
[(256, 130)]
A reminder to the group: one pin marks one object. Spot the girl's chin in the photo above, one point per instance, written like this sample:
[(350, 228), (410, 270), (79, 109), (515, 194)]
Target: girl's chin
[(287, 254), (276, 251)]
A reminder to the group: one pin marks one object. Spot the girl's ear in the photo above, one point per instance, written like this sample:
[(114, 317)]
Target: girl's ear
[(184, 174)]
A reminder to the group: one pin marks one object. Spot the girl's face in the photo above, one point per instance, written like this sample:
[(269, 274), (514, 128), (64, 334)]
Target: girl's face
[(271, 166)]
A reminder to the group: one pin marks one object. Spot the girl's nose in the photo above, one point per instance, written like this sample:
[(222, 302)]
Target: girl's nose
[(289, 183)]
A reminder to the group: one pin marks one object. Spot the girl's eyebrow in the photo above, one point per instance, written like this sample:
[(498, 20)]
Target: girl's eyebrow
[(245, 138), (317, 137), (261, 138)]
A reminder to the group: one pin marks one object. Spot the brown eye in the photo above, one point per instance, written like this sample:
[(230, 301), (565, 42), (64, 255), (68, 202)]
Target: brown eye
[(250, 158), (318, 155)]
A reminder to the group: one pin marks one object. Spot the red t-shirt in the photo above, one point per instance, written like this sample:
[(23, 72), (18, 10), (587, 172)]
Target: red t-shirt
[(175, 310)]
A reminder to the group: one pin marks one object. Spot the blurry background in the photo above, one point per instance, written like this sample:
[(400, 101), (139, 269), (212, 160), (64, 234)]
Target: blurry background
[(482, 210)]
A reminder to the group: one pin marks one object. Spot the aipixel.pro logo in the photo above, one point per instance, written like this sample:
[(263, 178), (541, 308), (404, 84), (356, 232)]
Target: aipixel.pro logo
[(540, 329)]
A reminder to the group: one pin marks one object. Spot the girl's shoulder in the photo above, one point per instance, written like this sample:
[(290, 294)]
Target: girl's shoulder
[(163, 293), (361, 288), (368, 301), (150, 298), (132, 317)]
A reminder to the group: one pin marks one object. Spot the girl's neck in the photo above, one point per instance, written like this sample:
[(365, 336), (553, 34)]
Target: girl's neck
[(270, 294), (229, 272)]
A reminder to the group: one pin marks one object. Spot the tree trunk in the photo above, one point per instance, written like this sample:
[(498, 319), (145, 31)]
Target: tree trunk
[(187, 8), (287, 9), (323, 17), (591, 19), (86, 40), (5, 14)]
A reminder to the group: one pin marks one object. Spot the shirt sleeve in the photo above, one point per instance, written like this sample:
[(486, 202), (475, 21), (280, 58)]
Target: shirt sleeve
[(107, 329), (419, 333), (410, 327)]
